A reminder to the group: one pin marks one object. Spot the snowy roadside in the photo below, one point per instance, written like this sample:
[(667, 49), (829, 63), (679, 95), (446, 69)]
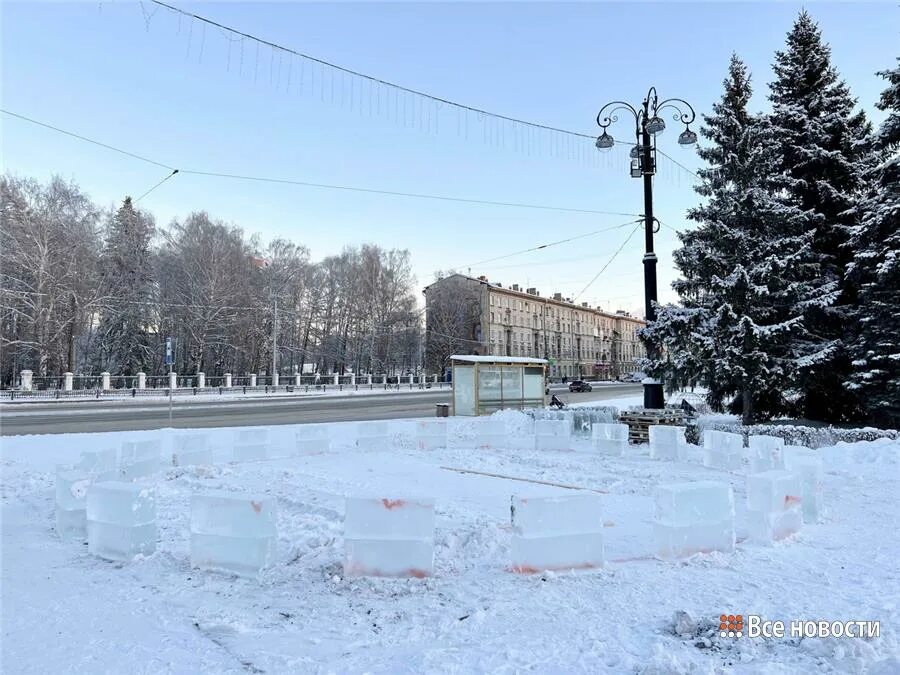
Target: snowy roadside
[(234, 395), (65, 611)]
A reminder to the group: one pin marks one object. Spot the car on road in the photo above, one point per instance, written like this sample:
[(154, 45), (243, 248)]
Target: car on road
[(631, 377), (579, 385)]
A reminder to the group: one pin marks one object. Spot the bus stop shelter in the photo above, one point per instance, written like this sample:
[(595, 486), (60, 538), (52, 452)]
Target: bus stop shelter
[(484, 384)]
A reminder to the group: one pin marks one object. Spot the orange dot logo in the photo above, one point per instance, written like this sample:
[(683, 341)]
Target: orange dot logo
[(731, 625)]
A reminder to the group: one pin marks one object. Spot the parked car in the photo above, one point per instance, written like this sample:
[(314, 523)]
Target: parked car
[(579, 385)]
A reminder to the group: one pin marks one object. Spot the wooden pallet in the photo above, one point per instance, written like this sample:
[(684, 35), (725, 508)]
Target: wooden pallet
[(639, 422)]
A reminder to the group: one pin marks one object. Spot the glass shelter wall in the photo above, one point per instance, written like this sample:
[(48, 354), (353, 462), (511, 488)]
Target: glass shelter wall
[(483, 387)]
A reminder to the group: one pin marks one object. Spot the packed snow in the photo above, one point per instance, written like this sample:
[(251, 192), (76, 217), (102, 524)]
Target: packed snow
[(65, 610)]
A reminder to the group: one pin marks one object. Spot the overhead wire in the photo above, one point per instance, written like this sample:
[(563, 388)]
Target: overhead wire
[(553, 243), (370, 78), (174, 171), (393, 85), (608, 262), (88, 140), (287, 181)]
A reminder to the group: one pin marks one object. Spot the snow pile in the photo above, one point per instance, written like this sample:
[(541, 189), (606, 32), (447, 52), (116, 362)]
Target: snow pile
[(157, 614), (811, 437)]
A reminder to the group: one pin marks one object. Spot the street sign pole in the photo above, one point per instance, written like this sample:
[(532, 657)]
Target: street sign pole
[(170, 360)]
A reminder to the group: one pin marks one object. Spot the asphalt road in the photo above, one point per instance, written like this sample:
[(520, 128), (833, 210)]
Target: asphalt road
[(130, 415)]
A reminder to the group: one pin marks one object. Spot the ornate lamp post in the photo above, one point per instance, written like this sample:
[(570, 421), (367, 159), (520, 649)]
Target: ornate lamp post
[(647, 125)]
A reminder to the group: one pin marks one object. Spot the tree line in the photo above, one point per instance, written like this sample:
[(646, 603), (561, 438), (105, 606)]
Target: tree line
[(86, 290), (790, 281)]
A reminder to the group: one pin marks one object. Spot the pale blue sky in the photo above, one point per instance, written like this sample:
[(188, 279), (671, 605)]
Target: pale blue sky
[(100, 70)]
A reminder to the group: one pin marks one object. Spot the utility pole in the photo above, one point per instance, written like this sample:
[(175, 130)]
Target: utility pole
[(648, 124), (274, 339)]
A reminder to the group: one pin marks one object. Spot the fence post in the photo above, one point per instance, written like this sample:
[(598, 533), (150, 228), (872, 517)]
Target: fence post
[(173, 380), (142, 381), (201, 381), (27, 383), (337, 378), (253, 379), (297, 380), (369, 377), (274, 379), (104, 381), (353, 379), (228, 380), (68, 381)]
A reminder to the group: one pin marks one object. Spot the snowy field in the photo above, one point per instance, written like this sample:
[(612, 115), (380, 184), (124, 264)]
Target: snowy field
[(64, 611)]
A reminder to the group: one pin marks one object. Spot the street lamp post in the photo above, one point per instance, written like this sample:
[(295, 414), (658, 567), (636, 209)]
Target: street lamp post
[(647, 125)]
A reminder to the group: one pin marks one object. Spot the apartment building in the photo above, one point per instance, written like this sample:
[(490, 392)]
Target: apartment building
[(577, 340)]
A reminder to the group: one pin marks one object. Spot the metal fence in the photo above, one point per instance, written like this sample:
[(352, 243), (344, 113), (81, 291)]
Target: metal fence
[(133, 392)]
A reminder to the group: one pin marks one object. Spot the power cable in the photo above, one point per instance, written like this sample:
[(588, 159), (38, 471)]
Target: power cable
[(89, 140), (415, 195), (553, 243), (677, 163), (608, 262), (370, 78), (393, 193), (174, 171), (393, 85)]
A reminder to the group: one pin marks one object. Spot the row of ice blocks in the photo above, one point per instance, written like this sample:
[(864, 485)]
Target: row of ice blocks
[(389, 537), (72, 486), (121, 520), (722, 450), (556, 533), (250, 445), (773, 505), (667, 442), (807, 466), (191, 450), (372, 436), (474, 432), (552, 435), (610, 439), (233, 532), (693, 518), (312, 439), (138, 459), (765, 453), (431, 434)]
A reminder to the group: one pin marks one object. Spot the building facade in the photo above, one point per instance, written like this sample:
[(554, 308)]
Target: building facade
[(579, 341)]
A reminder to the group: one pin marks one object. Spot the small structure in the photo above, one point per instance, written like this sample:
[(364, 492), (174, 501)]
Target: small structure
[(484, 384)]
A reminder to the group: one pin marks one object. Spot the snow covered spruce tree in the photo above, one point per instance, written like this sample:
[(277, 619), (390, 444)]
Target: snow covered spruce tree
[(823, 149), (876, 270), (733, 333), (127, 290)]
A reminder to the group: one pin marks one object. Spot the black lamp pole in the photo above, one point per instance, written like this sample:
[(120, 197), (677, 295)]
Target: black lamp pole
[(648, 124)]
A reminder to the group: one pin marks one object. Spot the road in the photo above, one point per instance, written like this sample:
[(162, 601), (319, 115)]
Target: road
[(131, 415)]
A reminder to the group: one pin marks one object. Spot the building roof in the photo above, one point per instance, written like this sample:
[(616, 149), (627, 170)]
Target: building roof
[(498, 359), (539, 298)]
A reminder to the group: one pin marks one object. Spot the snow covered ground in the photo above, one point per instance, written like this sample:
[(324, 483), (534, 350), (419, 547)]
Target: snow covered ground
[(65, 611)]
